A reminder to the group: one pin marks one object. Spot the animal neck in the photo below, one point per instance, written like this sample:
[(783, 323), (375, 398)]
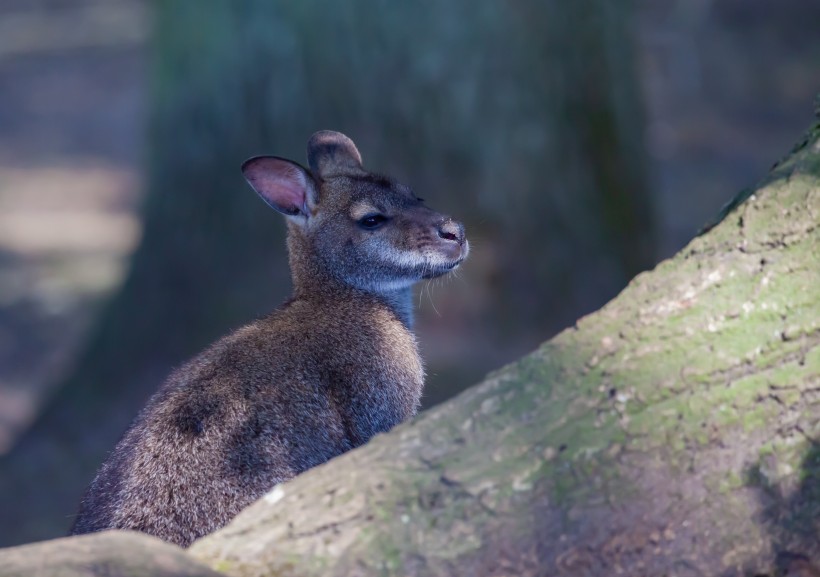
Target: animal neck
[(401, 302), (311, 281)]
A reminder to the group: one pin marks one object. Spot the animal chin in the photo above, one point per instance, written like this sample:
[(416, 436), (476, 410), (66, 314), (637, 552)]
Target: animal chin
[(438, 269)]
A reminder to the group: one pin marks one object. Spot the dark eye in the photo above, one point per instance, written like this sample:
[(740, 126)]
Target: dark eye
[(372, 221)]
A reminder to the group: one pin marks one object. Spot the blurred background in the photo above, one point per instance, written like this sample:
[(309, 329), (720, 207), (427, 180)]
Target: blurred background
[(581, 143)]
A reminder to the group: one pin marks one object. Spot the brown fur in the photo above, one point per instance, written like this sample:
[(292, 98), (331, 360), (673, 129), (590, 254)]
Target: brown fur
[(334, 366)]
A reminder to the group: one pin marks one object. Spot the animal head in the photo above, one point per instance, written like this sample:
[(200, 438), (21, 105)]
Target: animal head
[(363, 229)]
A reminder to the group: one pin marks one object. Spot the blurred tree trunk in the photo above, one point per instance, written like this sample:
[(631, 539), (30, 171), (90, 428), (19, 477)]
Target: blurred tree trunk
[(674, 432), (524, 119), (210, 257)]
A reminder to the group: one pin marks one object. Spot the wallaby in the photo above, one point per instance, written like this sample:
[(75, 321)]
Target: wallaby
[(333, 366)]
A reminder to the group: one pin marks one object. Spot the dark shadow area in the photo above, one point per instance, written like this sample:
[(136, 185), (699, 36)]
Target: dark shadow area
[(791, 512)]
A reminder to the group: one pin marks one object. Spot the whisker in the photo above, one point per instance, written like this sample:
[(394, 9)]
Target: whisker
[(460, 278), (430, 297)]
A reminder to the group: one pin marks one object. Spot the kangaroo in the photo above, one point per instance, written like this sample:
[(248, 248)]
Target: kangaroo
[(333, 366)]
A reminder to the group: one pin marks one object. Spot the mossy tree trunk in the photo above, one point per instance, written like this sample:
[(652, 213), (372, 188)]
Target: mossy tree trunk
[(523, 120), (674, 432)]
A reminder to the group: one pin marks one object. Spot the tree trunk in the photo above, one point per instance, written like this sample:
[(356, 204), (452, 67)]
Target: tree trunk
[(106, 554), (522, 120), (674, 432)]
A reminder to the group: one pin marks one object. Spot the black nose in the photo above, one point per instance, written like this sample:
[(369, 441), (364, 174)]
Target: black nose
[(451, 230)]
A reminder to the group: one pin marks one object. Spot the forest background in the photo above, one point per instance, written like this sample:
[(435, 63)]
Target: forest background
[(580, 143)]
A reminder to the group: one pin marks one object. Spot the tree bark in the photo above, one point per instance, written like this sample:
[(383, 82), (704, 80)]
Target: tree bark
[(524, 121), (674, 432), (106, 554)]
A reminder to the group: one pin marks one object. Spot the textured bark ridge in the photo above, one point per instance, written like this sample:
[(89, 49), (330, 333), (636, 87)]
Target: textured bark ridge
[(107, 554), (673, 432)]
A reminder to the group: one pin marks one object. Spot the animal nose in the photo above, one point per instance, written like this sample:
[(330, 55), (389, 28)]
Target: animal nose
[(451, 230)]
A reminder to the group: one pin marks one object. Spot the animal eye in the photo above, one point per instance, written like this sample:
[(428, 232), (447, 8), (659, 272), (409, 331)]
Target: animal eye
[(372, 221)]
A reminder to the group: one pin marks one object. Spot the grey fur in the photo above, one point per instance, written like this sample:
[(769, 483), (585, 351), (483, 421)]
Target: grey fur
[(332, 367)]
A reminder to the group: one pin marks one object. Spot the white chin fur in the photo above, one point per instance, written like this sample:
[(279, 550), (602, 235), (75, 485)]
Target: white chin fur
[(392, 285), (411, 260)]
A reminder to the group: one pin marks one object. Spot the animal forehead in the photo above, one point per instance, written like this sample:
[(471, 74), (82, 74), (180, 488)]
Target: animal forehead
[(373, 189)]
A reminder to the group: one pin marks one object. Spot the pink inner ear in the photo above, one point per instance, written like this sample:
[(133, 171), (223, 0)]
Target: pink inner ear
[(279, 182)]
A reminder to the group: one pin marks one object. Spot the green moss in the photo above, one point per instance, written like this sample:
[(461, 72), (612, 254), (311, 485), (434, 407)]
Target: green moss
[(223, 566), (766, 450), (754, 419), (730, 482)]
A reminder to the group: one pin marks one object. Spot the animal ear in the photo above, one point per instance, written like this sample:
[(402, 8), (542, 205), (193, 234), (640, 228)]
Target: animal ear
[(281, 183), (333, 154)]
